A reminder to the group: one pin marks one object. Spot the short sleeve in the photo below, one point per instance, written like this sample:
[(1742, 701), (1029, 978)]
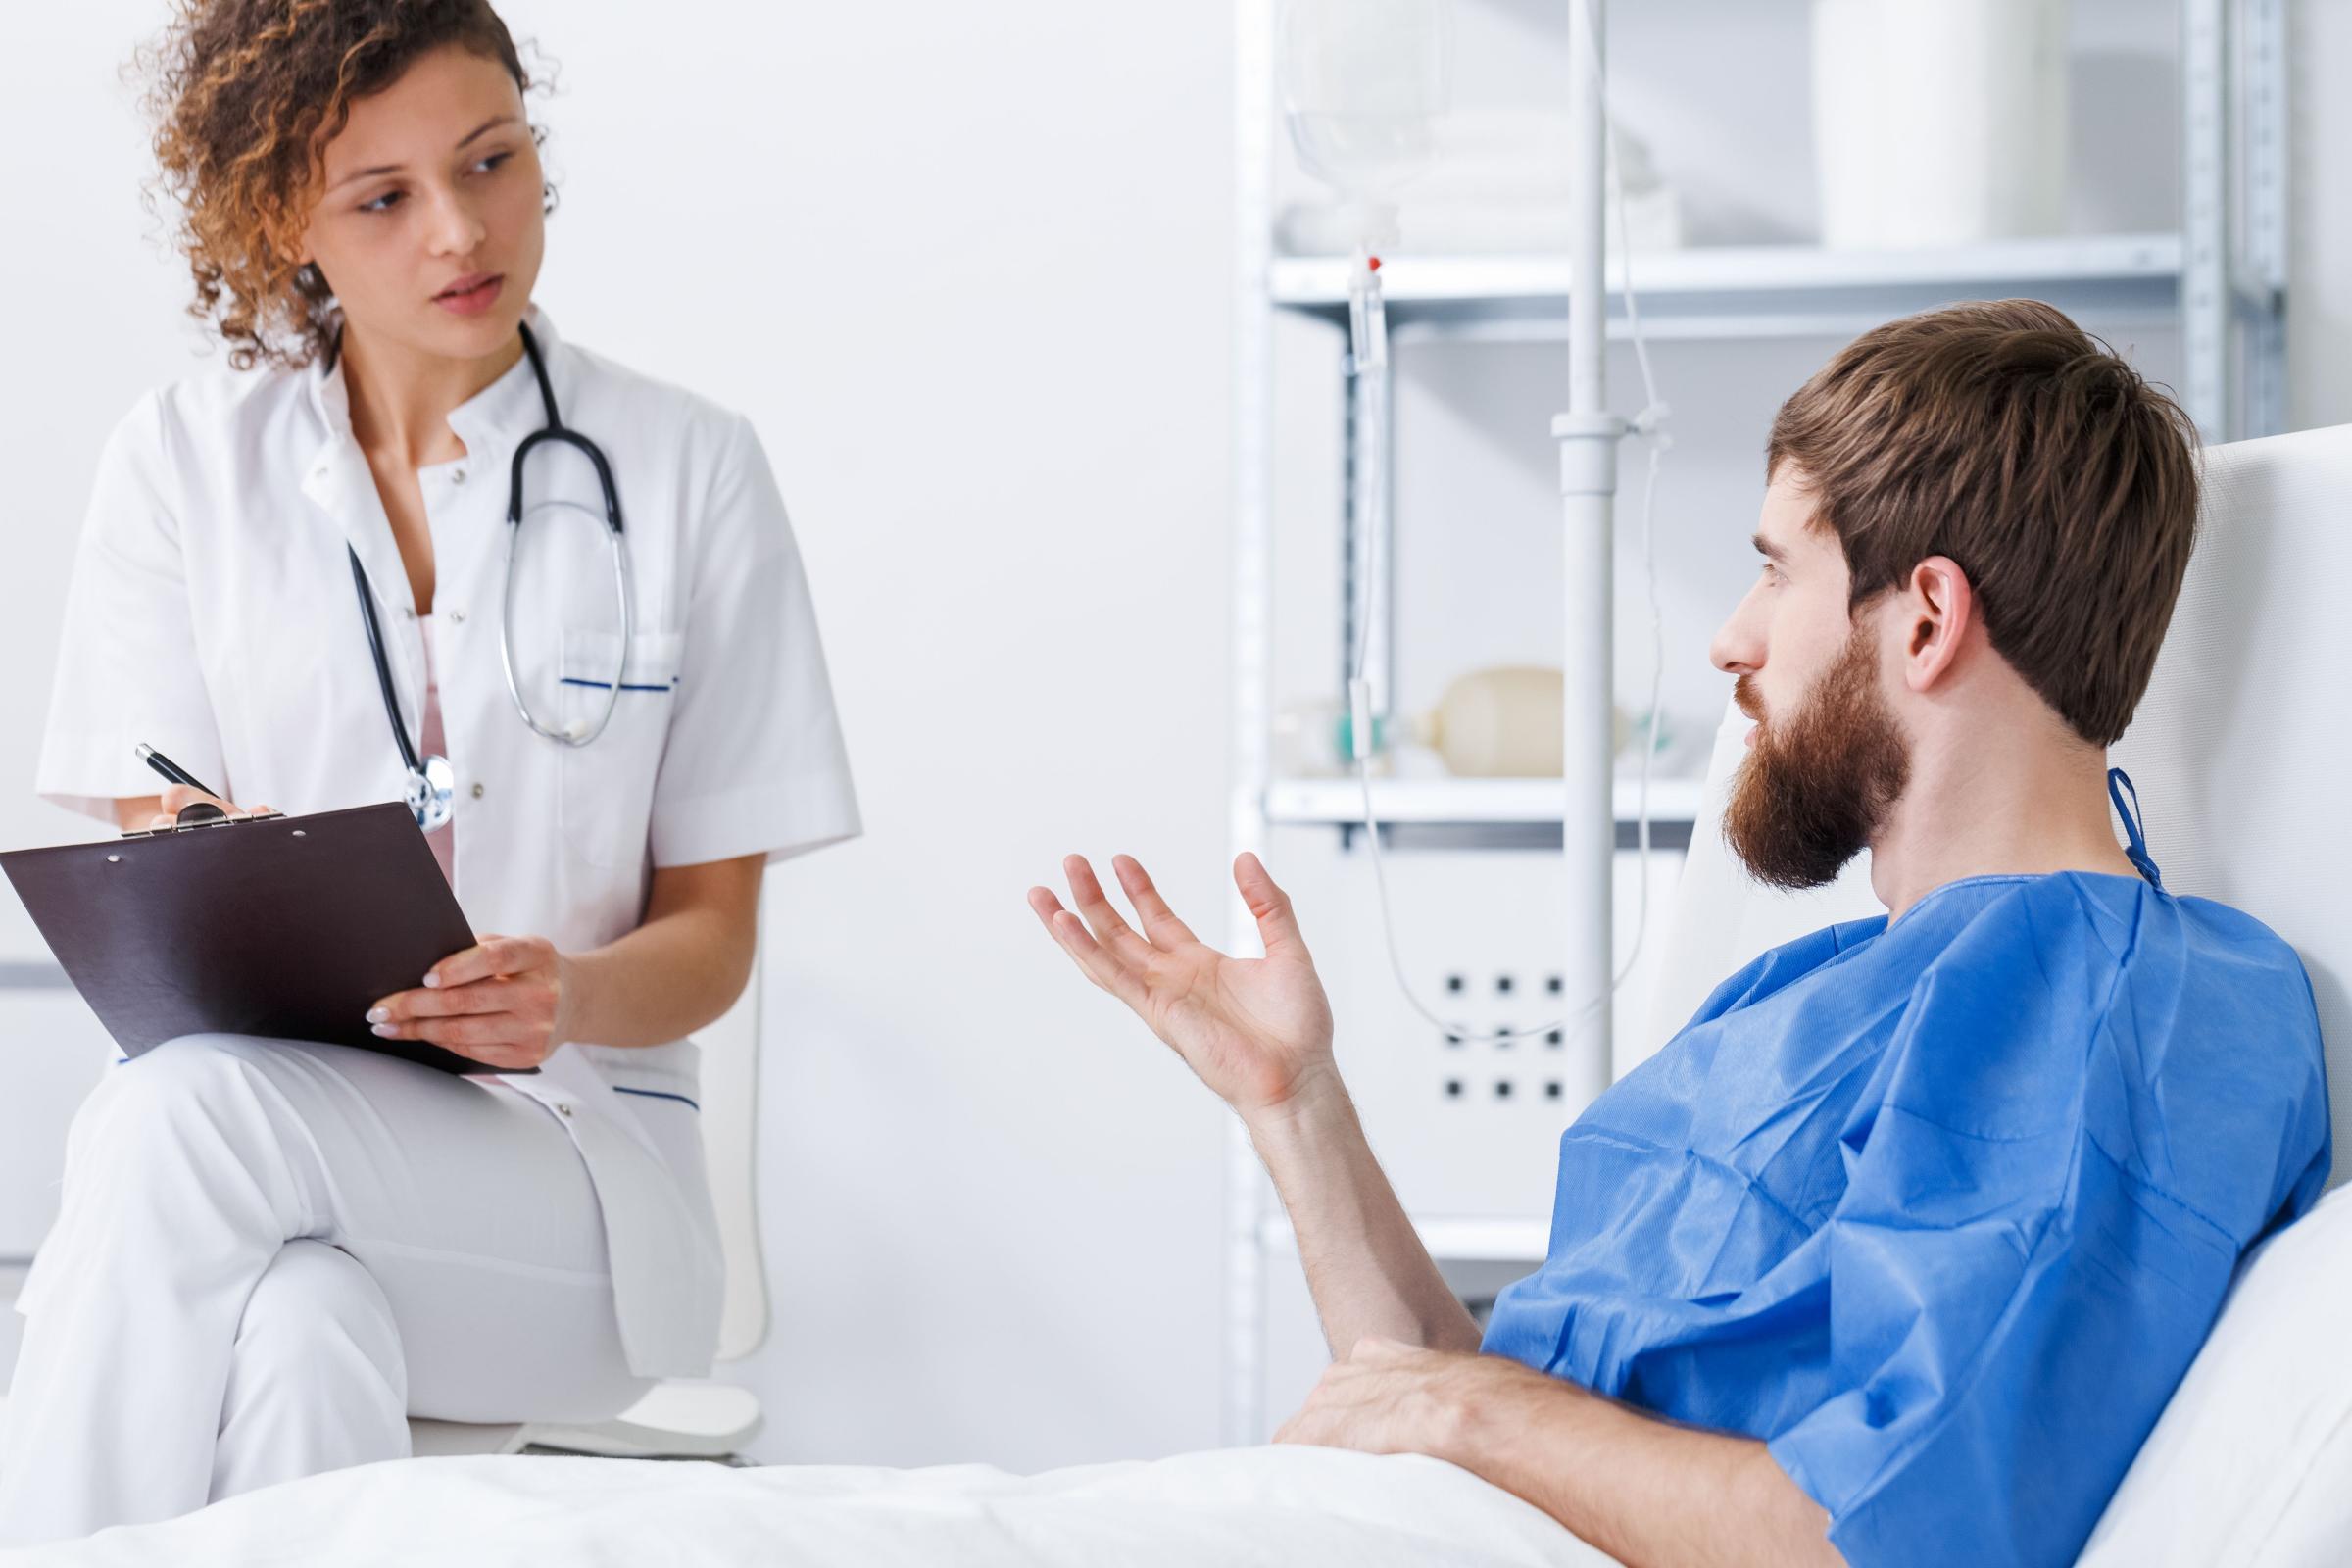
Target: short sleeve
[(127, 669), (755, 760), (2009, 1307)]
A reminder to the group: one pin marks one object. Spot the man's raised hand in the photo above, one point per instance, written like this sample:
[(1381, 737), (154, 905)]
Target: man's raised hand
[(1258, 1031)]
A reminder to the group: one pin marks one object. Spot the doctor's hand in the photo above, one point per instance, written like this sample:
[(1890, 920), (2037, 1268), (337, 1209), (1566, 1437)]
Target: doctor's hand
[(177, 796), (1255, 1030), (502, 1002)]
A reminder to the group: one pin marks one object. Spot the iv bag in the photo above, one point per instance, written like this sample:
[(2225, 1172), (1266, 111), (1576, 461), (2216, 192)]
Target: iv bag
[(1363, 83)]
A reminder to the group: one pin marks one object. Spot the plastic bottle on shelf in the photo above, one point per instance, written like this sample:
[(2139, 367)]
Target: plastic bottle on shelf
[(1502, 722), (1496, 723)]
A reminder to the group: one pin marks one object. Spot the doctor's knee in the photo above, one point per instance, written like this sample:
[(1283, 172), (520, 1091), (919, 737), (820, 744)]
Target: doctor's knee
[(194, 1079), (319, 1320)]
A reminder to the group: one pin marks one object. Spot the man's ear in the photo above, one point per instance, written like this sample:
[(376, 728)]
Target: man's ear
[(1937, 606)]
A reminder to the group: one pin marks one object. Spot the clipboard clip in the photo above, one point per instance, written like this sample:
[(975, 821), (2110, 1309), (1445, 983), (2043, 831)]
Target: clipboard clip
[(198, 815)]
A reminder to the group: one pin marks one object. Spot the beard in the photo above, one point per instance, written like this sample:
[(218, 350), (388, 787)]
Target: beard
[(1815, 787)]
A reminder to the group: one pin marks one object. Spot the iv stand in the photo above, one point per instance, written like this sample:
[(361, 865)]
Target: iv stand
[(1588, 435)]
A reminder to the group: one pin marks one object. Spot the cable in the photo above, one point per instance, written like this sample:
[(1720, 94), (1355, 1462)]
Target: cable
[(1368, 325)]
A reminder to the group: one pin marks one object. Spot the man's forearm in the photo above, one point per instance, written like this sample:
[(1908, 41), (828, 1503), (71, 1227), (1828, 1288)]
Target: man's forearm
[(1642, 1489), (1367, 1268)]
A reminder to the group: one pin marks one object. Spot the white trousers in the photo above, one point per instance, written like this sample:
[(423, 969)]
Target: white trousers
[(270, 1253)]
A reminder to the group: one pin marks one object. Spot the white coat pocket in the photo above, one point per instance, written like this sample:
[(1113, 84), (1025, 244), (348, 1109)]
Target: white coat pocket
[(607, 784)]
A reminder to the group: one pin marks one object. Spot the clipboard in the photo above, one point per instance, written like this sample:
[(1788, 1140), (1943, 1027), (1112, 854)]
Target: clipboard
[(289, 927)]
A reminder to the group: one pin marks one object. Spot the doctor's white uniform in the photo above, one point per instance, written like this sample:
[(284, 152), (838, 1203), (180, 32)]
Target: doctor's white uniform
[(269, 1253)]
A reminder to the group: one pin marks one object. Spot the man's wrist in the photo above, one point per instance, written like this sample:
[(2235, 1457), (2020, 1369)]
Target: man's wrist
[(1500, 1409), (1316, 1107)]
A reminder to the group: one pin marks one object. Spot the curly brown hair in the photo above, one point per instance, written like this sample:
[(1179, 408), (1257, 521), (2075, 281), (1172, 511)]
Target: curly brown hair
[(244, 94)]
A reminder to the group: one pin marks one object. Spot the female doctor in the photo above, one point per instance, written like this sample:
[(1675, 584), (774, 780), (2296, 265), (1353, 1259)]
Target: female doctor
[(270, 1252)]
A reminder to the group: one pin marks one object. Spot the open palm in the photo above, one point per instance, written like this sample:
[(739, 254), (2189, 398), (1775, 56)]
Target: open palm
[(1253, 1029)]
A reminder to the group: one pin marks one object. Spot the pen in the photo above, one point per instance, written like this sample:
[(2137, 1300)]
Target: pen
[(172, 770)]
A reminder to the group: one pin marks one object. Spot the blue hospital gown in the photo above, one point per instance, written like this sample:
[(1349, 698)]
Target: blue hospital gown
[(1941, 1211)]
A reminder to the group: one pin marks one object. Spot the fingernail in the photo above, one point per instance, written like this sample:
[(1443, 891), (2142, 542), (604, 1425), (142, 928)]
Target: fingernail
[(432, 980), (378, 1014), (387, 1031)]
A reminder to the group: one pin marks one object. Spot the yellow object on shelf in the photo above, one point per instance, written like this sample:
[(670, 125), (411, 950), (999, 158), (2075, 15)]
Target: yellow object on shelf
[(1501, 722), (1496, 723)]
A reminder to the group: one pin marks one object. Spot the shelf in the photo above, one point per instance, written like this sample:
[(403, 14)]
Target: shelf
[(1464, 801), (1452, 1238), (1734, 291)]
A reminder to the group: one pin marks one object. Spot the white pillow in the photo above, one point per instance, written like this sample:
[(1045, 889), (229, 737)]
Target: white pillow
[(2252, 1461)]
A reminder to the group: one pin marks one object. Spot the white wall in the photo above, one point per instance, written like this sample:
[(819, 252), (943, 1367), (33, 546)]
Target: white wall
[(964, 265)]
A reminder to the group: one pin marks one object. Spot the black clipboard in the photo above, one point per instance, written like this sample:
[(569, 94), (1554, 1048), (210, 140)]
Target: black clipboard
[(289, 927)]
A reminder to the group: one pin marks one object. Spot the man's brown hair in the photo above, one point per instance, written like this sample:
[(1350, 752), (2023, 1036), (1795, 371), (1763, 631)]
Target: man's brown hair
[(2004, 436)]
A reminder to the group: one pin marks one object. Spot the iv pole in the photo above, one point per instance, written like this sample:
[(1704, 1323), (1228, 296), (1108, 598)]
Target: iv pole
[(1588, 435)]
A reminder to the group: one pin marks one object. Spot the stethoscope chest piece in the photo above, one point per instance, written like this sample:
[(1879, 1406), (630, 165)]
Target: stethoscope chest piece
[(432, 792), (430, 788)]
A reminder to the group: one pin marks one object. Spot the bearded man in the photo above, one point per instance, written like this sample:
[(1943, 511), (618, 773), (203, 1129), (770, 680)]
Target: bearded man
[(1895, 1252)]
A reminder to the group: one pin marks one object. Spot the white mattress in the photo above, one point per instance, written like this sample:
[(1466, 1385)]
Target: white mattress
[(1286, 1507)]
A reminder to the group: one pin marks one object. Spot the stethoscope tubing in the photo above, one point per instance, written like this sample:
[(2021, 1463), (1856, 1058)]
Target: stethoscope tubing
[(428, 796)]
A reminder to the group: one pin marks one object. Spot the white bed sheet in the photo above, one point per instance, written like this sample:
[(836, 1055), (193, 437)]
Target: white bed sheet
[(1280, 1507)]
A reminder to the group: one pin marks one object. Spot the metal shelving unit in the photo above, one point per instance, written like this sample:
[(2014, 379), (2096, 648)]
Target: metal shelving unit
[(2221, 278), (1749, 290), (1494, 811)]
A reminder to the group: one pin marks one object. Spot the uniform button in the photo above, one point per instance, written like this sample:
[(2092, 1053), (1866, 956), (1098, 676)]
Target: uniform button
[(563, 1107), (477, 792), (456, 477), (408, 613), (457, 616)]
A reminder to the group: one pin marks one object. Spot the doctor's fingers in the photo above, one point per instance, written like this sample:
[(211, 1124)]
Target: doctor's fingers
[(527, 998), (176, 798), (1159, 921), (470, 1032), (492, 957), (1112, 931)]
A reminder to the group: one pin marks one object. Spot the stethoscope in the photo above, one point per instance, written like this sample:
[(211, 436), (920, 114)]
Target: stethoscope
[(432, 784)]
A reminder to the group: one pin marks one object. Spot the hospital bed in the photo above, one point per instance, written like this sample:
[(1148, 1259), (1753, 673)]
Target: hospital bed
[(2239, 752)]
